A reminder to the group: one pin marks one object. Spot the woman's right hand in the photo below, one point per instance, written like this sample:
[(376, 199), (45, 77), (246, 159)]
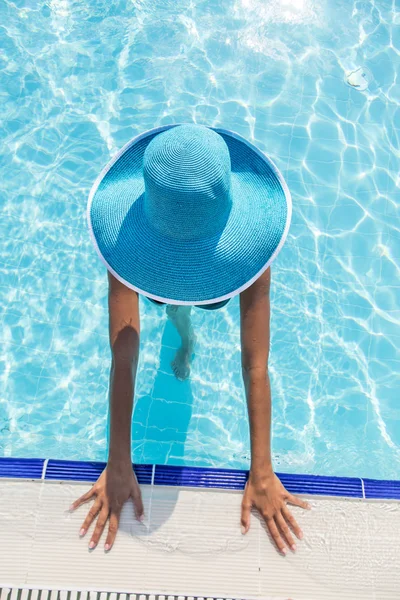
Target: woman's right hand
[(115, 486)]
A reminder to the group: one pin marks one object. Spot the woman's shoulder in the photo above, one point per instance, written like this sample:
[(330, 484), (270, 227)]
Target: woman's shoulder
[(260, 286), (115, 285)]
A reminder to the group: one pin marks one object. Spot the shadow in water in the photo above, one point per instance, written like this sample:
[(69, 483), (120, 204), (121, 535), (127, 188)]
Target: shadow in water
[(162, 416), (160, 425)]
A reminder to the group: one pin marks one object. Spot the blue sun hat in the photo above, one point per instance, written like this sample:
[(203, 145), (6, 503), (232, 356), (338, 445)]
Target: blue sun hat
[(188, 214)]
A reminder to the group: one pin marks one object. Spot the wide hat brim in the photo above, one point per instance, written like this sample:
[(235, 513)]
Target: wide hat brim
[(197, 272)]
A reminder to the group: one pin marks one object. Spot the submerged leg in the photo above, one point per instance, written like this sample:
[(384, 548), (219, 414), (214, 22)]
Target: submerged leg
[(180, 317)]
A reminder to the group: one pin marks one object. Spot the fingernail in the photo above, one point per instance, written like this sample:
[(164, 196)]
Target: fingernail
[(71, 508), (82, 532), (308, 506), (294, 547), (243, 529), (91, 545), (284, 551), (141, 518), (301, 535), (107, 547)]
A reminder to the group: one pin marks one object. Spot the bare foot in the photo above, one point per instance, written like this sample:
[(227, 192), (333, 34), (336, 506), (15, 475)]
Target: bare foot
[(181, 363)]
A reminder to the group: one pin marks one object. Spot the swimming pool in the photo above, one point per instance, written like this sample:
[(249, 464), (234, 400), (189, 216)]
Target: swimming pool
[(77, 81)]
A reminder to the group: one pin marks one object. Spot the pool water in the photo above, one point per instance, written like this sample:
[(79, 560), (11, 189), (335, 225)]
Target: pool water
[(313, 84)]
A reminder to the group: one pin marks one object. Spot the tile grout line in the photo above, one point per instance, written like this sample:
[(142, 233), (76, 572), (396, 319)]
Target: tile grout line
[(46, 462), (363, 488)]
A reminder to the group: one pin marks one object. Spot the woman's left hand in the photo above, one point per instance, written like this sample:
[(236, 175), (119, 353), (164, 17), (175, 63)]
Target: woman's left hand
[(266, 493)]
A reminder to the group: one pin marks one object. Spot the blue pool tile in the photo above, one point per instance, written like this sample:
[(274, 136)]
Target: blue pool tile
[(322, 486), (21, 468), (236, 480), (170, 475), (378, 488), (199, 477), (71, 470)]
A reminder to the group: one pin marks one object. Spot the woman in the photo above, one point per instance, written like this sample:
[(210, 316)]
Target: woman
[(189, 215)]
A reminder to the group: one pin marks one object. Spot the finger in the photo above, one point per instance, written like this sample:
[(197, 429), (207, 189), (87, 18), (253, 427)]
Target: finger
[(101, 523), (285, 531), (298, 502), (292, 522), (85, 498), (138, 503), (112, 530), (276, 535), (92, 514), (245, 517)]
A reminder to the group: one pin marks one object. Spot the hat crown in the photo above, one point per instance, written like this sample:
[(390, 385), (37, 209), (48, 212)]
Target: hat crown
[(187, 175)]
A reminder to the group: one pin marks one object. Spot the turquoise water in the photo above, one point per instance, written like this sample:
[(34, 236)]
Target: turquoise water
[(77, 81)]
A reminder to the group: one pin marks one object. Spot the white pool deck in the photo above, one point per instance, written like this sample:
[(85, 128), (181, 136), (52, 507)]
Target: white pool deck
[(191, 545)]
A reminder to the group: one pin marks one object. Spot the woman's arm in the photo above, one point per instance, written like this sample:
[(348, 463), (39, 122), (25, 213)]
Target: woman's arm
[(117, 483), (255, 337), (264, 491), (124, 331)]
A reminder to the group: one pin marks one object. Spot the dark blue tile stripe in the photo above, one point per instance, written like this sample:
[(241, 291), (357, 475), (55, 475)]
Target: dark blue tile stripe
[(24, 468), (70, 470), (379, 488), (324, 486), (233, 479), (200, 477), (236, 480)]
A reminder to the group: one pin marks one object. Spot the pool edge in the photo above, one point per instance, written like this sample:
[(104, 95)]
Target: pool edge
[(199, 477)]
